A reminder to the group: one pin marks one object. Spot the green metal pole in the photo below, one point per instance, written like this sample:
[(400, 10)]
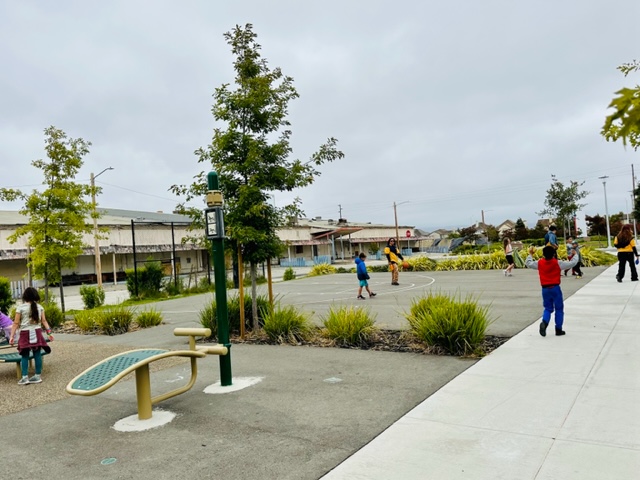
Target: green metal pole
[(220, 278)]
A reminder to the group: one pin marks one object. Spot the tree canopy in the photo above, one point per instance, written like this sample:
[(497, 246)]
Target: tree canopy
[(624, 123), (57, 214), (562, 202), (251, 150)]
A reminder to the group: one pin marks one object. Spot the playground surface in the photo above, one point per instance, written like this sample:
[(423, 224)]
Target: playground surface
[(554, 407)]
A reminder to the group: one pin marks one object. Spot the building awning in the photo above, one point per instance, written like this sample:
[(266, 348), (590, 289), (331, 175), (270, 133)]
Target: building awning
[(338, 232)]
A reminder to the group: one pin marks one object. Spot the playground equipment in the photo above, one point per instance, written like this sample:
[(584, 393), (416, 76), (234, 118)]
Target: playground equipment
[(108, 372)]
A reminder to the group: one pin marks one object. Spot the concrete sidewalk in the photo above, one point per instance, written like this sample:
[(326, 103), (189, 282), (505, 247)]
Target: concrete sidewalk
[(536, 408)]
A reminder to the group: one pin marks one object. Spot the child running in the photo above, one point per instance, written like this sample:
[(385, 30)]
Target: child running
[(550, 268), (508, 253), (363, 276), (28, 324)]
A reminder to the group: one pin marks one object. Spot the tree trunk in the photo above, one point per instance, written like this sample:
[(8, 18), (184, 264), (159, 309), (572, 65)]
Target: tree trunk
[(61, 289), (254, 298)]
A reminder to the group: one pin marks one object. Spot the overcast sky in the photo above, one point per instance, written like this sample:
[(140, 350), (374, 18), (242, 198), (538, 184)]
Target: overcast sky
[(448, 109)]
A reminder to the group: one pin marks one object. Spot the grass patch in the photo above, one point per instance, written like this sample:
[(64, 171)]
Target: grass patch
[(445, 321), (321, 269), (286, 324), (349, 326), (149, 318)]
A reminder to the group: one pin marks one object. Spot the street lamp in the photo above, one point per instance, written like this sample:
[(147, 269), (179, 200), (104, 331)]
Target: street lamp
[(96, 250), (606, 208)]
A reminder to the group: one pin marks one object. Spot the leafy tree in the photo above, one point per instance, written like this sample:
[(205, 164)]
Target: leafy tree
[(251, 154), (57, 215), (470, 234), (492, 233), (596, 225), (624, 123), (520, 231), (636, 204), (562, 202)]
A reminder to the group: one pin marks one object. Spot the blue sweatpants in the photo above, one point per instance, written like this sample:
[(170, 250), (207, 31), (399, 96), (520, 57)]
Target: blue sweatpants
[(552, 300)]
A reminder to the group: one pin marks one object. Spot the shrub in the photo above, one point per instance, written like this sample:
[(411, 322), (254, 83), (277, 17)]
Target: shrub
[(6, 298), (115, 319), (444, 321), (92, 297), (289, 274), (149, 280), (342, 270), (86, 320), (173, 288), (286, 324), (349, 326), (53, 314), (209, 315), (149, 318), (321, 269)]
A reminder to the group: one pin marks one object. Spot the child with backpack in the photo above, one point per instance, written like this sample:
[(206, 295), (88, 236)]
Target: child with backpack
[(27, 330)]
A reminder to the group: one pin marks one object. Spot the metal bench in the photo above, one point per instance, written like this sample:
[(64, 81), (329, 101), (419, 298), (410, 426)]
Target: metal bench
[(109, 371), (15, 357)]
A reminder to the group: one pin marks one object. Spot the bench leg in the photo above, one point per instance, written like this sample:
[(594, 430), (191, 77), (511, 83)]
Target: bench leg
[(143, 392), (18, 370)]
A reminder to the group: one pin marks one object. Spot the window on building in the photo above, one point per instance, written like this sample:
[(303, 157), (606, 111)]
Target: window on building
[(188, 259), (299, 249)]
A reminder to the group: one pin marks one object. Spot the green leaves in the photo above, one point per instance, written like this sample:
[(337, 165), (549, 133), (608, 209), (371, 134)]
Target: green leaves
[(624, 122), (562, 201)]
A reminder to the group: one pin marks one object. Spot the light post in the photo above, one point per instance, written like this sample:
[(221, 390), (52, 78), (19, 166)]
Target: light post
[(96, 250), (214, 219), (606, 208)]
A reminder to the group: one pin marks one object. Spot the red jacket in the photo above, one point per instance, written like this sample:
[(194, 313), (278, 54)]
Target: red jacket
[(549, 271)]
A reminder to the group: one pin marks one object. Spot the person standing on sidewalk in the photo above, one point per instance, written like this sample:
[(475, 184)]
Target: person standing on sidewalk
[(363, 276), (391, 251), (28, 324), (626, 245), (550, 270)]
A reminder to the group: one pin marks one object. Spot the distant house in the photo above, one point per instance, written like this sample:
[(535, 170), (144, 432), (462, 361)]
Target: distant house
[(319, 240), (506, 226)]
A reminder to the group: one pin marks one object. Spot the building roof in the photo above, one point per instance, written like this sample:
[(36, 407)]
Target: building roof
[(110, 216)]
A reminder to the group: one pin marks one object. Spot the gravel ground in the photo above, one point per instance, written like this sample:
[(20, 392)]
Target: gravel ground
[(67, 359)]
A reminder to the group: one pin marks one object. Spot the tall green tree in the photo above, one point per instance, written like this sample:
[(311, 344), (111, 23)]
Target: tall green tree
[(250, 151), (624, 123), (520, 231), (56, 214), (562, 202)]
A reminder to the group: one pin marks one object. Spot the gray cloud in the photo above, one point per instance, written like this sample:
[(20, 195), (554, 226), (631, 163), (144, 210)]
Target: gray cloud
[(453, 108)]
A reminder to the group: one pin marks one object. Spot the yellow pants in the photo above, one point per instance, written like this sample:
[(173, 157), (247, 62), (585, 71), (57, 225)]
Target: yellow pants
[(394, 272)]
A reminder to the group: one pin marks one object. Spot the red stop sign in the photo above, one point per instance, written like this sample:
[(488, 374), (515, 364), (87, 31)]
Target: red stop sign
[(408, 234)]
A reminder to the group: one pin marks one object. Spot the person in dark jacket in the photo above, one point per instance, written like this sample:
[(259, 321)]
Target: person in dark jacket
[(550, 269), (363, 276)]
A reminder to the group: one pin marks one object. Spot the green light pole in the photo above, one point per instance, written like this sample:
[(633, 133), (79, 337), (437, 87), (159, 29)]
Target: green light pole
[(215, 232)]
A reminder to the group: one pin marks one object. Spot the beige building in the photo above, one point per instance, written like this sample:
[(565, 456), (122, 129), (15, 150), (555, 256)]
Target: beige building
[(157, 236)]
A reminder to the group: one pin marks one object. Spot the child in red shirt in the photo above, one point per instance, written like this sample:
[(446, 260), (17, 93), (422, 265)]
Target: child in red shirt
[(550, 269)]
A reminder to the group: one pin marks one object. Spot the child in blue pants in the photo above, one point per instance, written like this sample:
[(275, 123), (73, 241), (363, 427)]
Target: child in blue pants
[(550, 269)]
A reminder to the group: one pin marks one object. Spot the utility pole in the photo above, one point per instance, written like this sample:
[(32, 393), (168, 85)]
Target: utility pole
[(395, 215), (340, 211), (96, 246)]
